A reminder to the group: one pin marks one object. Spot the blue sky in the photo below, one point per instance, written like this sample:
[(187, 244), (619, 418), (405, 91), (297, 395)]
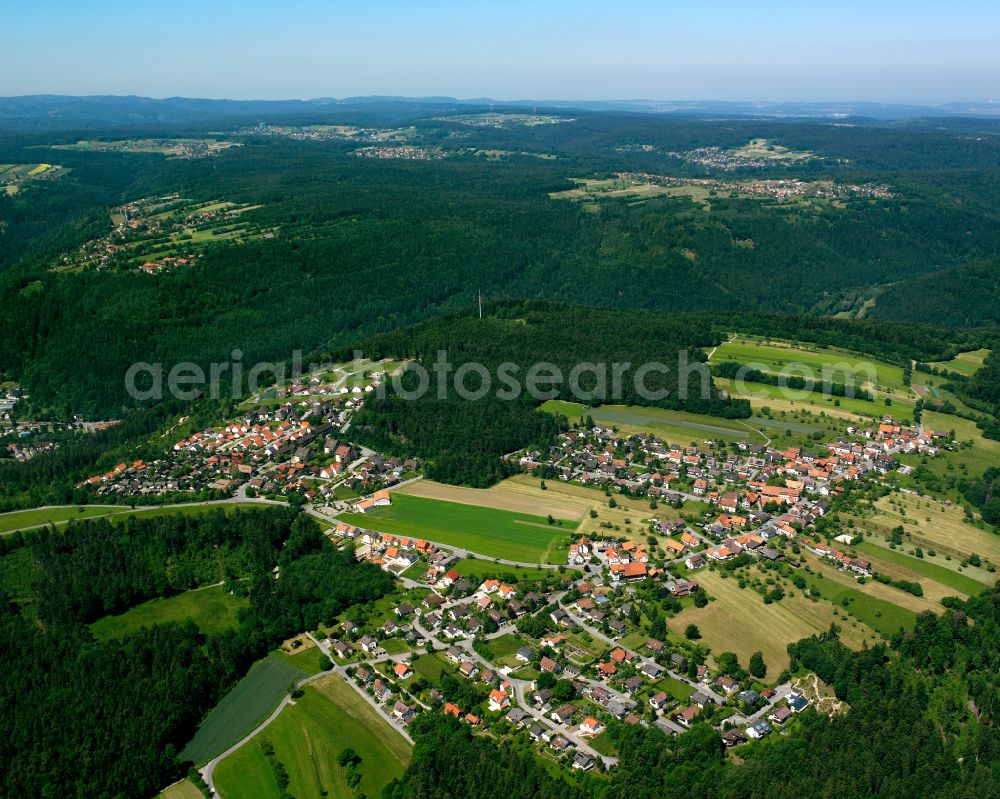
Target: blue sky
[(883, 50)]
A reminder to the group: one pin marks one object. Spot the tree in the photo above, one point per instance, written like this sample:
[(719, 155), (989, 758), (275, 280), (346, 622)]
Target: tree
[(757, 667), (347, 756), (692, 633)]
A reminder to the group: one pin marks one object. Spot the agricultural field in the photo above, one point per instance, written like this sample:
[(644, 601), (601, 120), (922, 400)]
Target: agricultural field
[(185, 789), (170, 147), (931, 572), (737, 620), (627, 519), (250, 702), (932, 525), (881, 607), (23, 519), (210, 608), (965, 363), (976, 453), (159, 233), (850, 409), (486, 531), (774, 356), (14, 176), (307, 737), (676, 427), (764, 148), (498, 497)]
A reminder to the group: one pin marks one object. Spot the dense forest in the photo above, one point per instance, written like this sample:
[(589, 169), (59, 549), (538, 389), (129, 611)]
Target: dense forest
[(87, 718), (923, 722), (464, 441), (440, 231)]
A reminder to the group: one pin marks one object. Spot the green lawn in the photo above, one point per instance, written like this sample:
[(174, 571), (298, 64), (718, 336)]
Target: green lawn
[(432, 666), (482, 569), (878, 614), (680, 691), (485, 531), (965, 363), (211, 609), (307, 737), (676, 427), (243, 708), (941, 574), (19, 519), (815, 402)]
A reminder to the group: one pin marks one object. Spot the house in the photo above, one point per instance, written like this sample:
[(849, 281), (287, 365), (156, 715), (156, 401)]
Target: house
[(733, 738), (516, 716), (468, 669), (499, 700), (687, 715), (381, 690), (342, 649), (780, 715), (369, 645), (563, 714), (583, 761), (695, 561), (402, 671), (758, 730), (633, 684), (451, 709), (750, 697), (591, 726), (548, 665), (658, 701), (525, 654), (798, 703), (403, 712), (701, 699)]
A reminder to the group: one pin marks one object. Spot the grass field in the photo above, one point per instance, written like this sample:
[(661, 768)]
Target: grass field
[(737, 620), (626, 519), (926, 571), (486, 531), (932, 525), (185, 789), (20, 519), (978, 457), (774, 356), (676, 427), (965, 363), (481, 569), (497, 497), (210, 608), (243, 708), (307, 737)]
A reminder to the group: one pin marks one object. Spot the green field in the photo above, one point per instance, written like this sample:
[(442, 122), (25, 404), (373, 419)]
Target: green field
[(307, 737), (210, 608), (775, 356), (933, 571), (185, 789), (676, 427), (243, 708), (878, 614), (777, 398), (485, 531), (20, 519), (965, 363), (480, 569)]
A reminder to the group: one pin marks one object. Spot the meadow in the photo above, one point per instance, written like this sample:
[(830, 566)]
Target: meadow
[(185, 789), (774, 356), (307, 737), (22, 519), (486, 531), (210, 608), (737, 620), (242, 709), (937, 580), (931, 525), (499, 498), (965, 363), (676, 427)]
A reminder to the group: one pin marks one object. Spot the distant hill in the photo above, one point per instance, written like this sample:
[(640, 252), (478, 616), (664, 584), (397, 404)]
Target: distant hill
[(46, 112)]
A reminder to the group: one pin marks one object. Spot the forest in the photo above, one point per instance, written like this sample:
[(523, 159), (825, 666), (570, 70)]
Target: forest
[(440, 232), (87, 718)]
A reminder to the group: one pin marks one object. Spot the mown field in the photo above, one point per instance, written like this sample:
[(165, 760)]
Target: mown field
[(210, 608), (932, 525), (937, 580), (486, 531), (675, 427), (979, 454), (243, 708), (306, 739), (775, 356), (497, 497), (965, 363), (737, 620), (21, 519), (184, 789)]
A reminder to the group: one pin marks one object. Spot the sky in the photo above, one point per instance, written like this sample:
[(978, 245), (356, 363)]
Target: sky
[(767, 50)]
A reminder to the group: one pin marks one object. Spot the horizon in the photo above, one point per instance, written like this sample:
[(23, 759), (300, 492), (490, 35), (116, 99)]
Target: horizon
[(900, 53)]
